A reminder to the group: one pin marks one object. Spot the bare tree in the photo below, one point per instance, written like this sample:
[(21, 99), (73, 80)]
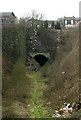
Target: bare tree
[(32, 19)]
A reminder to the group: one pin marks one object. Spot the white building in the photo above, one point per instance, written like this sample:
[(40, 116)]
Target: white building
[(70, 21)]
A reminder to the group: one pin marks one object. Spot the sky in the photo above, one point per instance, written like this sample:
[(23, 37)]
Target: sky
[(52, 9)]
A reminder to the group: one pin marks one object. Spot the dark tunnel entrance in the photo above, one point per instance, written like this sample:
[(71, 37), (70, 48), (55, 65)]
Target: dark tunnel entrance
[(41, 59)]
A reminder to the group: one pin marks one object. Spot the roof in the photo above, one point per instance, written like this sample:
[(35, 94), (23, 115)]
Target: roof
[(77, 18), (6, 14), (69, 18)]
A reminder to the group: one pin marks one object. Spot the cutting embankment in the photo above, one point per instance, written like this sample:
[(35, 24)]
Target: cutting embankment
[(63, 83)]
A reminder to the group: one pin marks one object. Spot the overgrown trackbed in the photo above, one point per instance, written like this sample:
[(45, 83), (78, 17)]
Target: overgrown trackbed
[(37, 110)]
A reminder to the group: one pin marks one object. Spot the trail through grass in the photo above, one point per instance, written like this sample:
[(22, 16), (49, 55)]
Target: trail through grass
[(37, 109)]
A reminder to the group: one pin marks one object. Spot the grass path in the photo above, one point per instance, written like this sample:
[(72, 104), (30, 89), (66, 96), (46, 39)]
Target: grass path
[(37, 110)]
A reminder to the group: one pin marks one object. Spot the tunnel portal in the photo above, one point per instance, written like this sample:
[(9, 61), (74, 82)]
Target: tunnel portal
[(41, 59)]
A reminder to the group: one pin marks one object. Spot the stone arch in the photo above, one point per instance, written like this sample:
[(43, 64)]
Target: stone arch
[(41, 59)]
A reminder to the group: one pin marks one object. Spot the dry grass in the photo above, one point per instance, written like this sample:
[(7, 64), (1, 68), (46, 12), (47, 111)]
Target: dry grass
[(64, 79), (16, 87)]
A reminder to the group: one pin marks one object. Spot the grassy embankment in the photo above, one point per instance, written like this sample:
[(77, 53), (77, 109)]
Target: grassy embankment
[(16, 92), (63, 83)]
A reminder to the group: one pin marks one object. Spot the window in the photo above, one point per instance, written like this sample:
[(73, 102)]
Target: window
[(69, 22), (3, 21)]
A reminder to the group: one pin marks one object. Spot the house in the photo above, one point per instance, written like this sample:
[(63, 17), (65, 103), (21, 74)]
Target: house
[(51, 24), (8, 18), (70, 21)]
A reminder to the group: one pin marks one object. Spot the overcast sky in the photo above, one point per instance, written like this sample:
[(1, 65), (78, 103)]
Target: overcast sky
[(53, 9)]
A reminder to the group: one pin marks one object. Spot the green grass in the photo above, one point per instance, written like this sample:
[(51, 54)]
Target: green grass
[(37, 109)]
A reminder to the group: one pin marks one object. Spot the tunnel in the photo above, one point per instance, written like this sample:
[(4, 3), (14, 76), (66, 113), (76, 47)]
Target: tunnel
[(41, 59)]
